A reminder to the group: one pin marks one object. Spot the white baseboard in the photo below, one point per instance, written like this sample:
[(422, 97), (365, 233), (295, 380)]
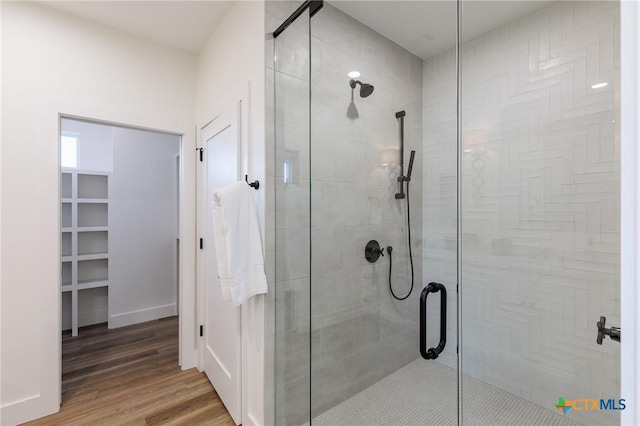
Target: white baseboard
[(252, 421), (26, 409), (149, 314)]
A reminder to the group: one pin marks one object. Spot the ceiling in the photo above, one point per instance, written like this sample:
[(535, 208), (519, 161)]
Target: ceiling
[(185, 25), (426, 28)]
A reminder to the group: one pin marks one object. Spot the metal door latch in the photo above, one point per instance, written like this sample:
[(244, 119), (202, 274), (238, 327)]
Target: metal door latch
[(613, 332)]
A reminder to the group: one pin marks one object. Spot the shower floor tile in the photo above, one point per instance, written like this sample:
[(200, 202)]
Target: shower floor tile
[(424, 393)]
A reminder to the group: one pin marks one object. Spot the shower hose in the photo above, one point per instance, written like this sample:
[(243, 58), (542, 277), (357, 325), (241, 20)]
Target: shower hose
[(390, 249)]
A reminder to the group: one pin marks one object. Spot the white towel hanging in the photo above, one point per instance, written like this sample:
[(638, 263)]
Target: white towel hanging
[(238, 243)]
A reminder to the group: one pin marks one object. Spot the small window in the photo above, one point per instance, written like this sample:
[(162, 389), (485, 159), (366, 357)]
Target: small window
[(69, 151)]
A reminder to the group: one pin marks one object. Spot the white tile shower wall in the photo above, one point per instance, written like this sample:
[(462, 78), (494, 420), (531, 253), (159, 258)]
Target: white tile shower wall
[(358, 334), (540, 201)]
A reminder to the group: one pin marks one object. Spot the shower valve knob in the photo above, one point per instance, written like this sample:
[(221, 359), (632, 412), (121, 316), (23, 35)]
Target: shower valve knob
[(373, 251)]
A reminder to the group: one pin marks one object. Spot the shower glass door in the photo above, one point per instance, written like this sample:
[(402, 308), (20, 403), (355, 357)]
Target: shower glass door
[(289, 216), (539, 212)]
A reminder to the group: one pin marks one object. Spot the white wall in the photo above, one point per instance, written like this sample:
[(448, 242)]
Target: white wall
[(142, 232), (1, 128), (231, 67), (55, 64)]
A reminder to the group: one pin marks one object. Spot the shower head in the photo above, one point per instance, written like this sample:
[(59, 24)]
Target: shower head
[(365, 88)]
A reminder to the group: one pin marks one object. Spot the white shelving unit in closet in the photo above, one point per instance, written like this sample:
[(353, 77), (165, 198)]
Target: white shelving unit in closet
[(85, 242)]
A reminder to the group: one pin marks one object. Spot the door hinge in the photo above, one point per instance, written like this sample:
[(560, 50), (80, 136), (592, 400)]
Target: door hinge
[(200, 149), (201, 243), (457, 288), (201, 330)]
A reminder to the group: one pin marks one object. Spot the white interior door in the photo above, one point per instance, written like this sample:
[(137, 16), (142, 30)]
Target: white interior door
[(222, 346)]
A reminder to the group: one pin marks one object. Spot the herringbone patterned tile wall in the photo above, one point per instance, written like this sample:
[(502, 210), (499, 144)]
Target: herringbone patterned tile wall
[(540, 180)]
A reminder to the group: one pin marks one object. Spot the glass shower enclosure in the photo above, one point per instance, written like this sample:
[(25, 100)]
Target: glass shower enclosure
[(444, 212)]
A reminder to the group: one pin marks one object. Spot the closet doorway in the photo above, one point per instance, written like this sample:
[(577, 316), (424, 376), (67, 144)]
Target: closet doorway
[(120, 222)]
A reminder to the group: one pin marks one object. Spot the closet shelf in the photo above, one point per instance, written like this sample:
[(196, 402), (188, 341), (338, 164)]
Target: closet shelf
[(85, 285), (93, 256), (92, 228), (93, 200)]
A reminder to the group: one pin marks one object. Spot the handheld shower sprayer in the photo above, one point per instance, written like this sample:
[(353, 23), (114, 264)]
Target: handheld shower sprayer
[(411, 158), (402, 179)]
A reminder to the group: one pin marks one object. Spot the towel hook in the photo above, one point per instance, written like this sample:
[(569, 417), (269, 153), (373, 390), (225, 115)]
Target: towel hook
[(255, 184)]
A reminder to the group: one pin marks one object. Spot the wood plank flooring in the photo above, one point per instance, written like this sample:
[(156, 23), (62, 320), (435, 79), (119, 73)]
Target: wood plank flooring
[(130, 376)]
